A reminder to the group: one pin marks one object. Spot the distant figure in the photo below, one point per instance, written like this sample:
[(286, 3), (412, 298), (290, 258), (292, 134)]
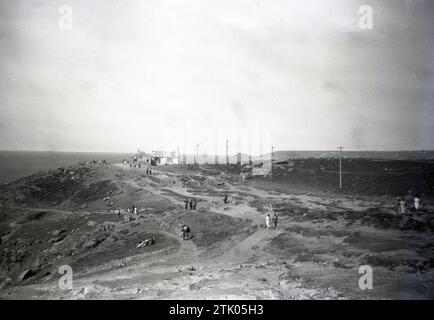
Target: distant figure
[(191, 204), (416, 203), (185, 232), (119, 213), (408, 199), (194, 204), (186, 204), (275, 219), (135, 210), (225, 199), (267, 221), (402, 207), (398, 205)]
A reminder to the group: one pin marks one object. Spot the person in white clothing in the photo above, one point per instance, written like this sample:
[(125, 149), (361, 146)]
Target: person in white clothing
[(267, 221), (416, 203)]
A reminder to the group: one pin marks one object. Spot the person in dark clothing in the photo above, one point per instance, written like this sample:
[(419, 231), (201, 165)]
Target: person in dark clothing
[(187, 232), (186, 204), (225, 199), (275, 220), (191, 204), (194, 204), (183, 231)]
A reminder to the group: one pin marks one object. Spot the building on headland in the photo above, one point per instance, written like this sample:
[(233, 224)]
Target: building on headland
[(156, 158), (159, 158), (142, 157)]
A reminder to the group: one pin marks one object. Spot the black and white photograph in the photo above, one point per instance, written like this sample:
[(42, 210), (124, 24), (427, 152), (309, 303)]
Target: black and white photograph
[(244, 150)]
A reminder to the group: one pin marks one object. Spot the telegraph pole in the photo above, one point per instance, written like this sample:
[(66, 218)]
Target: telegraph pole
[(340, 167), (179, 155), (250, 149), (227, 150), (271, 162), (197, 153)]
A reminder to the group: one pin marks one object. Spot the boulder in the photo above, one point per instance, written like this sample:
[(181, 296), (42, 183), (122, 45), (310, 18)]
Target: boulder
[(58, 232), (25, 275)]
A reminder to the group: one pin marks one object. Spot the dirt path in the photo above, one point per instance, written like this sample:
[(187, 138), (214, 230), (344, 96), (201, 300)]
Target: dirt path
[(42, 209)]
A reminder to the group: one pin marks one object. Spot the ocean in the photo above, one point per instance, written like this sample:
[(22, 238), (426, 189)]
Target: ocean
[(19, 164)]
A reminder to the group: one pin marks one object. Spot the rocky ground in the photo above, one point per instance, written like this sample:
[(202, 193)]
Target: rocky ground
[(78, 217)]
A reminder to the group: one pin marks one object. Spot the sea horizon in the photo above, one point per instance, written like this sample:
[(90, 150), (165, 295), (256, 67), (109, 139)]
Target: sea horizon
[(19, 164)]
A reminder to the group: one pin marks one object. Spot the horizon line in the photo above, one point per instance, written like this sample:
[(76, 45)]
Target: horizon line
[(232, 154)]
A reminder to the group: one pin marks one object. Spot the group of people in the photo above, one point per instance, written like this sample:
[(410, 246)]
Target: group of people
[(148, 171), (190, 204), (271, 221), (185, 232), (132, 209), (403, 205)]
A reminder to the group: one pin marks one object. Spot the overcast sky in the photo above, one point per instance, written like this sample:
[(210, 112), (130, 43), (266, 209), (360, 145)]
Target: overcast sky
[(156, 74)]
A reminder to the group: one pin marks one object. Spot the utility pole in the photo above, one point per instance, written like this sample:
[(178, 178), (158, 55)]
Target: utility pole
[(271, 162), (179, 155), (250, 149), (216, 149), (197, 153), (340, 167), (227, 150)]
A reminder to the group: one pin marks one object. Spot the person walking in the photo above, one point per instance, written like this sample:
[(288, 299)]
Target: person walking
[(416, 203), (275, 220), (225, 199), (267, 221), (194, 204), (398, 205), (183, 231), (190, 204), (402, 207), (186, 204)]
